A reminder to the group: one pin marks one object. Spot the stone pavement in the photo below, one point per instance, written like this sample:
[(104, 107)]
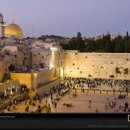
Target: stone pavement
[(80, 103)]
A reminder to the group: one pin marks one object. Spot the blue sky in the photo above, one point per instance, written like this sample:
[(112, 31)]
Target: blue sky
[(67, 17)]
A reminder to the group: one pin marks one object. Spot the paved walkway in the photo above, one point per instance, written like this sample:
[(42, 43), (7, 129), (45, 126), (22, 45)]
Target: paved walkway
[(80, 103)]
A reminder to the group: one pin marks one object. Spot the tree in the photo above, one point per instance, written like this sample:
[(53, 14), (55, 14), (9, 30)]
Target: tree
[(65, 46), (73, 44), (91, 45), (107, 42), (118, 45), (102, 44), (80, 42), (127, 43), (77, 43)]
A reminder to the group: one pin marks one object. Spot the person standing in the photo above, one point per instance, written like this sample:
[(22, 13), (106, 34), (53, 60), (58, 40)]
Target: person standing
[(27, 109), (46, 101), (55, 104), (107, 98), (51, 98), (40, 100), (90, 101)]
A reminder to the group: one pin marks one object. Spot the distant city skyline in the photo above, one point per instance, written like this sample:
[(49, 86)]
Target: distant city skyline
[(67, 17)]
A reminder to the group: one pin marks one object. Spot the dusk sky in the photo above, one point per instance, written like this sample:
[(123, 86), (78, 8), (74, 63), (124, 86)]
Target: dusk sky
[(67, 17)]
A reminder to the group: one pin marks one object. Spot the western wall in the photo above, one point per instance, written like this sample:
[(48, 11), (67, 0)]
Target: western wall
[(96, 65)]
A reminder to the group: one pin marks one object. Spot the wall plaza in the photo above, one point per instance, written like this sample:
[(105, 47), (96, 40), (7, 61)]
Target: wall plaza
[(77, 66), (38, 75)]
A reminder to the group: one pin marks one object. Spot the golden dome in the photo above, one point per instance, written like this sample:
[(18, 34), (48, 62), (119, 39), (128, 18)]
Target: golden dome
[(13, 30)]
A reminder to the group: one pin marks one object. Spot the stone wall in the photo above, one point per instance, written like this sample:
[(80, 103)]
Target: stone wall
[(44, 76), (34, 80), (48, 86), (96, 65), (23, 78)]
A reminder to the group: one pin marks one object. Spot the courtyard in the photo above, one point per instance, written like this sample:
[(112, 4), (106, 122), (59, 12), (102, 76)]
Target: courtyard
[(99, 103), (80, 102)]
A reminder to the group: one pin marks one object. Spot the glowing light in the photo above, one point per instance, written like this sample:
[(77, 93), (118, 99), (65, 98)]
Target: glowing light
[(61, 72), (52, 61), (5, 93), (51, 66), (11, 92), (53, 49), (35, 75)]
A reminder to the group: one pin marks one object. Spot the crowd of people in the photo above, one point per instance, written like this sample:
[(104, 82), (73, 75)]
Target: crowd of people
[(11, 91), (12, 95), (59, 90), (98, 83), (33, 104), (75, 83), (114, 104), (55, 93)]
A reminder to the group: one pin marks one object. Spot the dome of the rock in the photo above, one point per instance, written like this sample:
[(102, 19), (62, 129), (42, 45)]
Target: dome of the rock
[(13, 30)]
